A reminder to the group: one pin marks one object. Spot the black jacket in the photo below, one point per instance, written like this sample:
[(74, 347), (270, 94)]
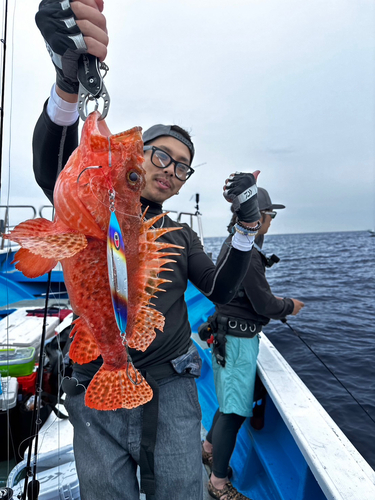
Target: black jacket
[(254, 299)]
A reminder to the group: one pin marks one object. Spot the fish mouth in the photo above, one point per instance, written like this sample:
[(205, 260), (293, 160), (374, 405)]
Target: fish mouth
[(163, 183)]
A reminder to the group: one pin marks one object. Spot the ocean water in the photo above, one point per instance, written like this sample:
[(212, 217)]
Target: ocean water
[(334, 275)]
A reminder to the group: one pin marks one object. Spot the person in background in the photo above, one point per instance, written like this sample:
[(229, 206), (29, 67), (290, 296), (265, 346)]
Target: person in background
[(235, 351), (162, 436)]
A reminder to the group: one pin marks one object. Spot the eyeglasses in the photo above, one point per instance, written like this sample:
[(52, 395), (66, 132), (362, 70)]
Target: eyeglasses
[(272, 213), (161, 159)]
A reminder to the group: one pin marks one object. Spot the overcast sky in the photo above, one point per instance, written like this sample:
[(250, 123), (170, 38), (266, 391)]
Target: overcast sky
[(283, 86)]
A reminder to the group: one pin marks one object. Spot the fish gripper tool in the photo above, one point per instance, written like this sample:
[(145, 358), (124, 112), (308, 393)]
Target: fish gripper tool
[(91, 85)]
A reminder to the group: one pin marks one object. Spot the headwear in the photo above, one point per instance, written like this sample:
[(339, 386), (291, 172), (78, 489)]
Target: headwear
[(265, 202), (161, 130)]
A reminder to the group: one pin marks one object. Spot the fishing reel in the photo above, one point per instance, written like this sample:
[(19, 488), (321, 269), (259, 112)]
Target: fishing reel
[(6, 494)]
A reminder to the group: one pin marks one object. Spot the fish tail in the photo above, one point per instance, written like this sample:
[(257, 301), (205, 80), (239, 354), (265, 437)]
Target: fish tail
[(113, 389)]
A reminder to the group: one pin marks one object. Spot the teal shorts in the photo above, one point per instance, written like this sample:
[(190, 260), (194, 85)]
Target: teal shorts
[(235, 382)]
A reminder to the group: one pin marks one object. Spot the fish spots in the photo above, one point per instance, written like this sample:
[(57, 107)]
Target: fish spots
[(114, 389)]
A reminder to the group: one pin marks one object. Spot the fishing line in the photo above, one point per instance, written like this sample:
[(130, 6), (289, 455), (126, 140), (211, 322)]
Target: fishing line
[(284, 320), (10, 102), (9, 437), (32, 489), (4, 42)]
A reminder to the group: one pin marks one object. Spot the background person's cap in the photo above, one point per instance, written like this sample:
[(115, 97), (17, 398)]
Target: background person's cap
[(265, 202), (161, 130)]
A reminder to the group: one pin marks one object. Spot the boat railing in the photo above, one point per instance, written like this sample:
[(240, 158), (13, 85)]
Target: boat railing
[(194, 216), (43, 208), (178, 216)]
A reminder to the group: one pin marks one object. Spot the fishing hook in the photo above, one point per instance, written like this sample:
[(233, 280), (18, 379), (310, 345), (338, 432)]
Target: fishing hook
[(84, 170), (130, 363)]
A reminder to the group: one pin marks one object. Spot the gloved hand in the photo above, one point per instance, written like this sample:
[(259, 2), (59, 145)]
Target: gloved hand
[(241, 190), (64, 40)]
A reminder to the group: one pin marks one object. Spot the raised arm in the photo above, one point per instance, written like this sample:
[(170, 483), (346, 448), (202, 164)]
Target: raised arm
[(220, 283), (69, 29)]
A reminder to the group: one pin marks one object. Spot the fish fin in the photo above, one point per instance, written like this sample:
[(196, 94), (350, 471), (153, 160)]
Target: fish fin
[(144, 328), (32, 265), (152, 258), (51, 240), (83, 349), (113, 389)]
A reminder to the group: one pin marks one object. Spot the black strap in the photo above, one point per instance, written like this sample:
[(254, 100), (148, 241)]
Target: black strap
[(238, 327), (148, 441)]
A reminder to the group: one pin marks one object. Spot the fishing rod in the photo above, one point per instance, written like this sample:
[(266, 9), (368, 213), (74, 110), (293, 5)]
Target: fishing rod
[(284, 320), (3, 41), (5, 493), (32, 488)]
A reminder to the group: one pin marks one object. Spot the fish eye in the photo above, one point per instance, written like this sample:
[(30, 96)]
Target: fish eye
[(133, 177)]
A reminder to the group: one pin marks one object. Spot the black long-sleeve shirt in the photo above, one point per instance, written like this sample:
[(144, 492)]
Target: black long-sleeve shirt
[(52, 146), (254, 299)]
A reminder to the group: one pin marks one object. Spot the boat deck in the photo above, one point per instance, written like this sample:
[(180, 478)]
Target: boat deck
[(300, 454)]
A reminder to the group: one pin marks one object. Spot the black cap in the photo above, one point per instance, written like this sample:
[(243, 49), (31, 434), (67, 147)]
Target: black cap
[(161, 130), (265, 202)]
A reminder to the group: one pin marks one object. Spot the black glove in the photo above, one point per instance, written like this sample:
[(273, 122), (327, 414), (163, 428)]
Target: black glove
[(64, 40), (242, 192)]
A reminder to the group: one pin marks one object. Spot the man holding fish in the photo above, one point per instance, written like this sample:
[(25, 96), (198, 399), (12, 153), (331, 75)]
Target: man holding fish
[(162, 435)]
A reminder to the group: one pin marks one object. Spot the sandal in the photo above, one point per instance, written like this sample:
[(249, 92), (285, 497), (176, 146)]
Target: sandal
[(229, 491), (208, 460)]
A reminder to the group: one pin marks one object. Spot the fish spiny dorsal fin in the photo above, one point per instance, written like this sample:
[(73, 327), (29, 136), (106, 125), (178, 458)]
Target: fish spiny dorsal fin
[(147, 223), (151, 264)]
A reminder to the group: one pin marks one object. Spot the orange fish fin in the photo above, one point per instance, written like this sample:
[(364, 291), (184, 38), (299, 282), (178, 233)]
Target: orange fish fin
[(144, 329), (32, 265), (152, 258), (51, 240), (83, 349), (112, 389)]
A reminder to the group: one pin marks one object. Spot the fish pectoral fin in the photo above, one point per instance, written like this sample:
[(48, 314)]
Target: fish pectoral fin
[(50, 240), (144, 328), (32, 265), (113, 389), (83, 349)]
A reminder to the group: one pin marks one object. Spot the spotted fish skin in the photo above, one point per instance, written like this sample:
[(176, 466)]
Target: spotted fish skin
[(78, 239)]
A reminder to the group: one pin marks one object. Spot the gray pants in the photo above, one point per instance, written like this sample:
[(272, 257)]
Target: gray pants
[(107, 446)]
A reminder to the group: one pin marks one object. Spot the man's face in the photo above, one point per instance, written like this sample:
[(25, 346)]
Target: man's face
[(161, 183), (266, 223)]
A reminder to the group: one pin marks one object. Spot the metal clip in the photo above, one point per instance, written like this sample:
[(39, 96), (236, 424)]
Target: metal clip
[(91, 86)]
